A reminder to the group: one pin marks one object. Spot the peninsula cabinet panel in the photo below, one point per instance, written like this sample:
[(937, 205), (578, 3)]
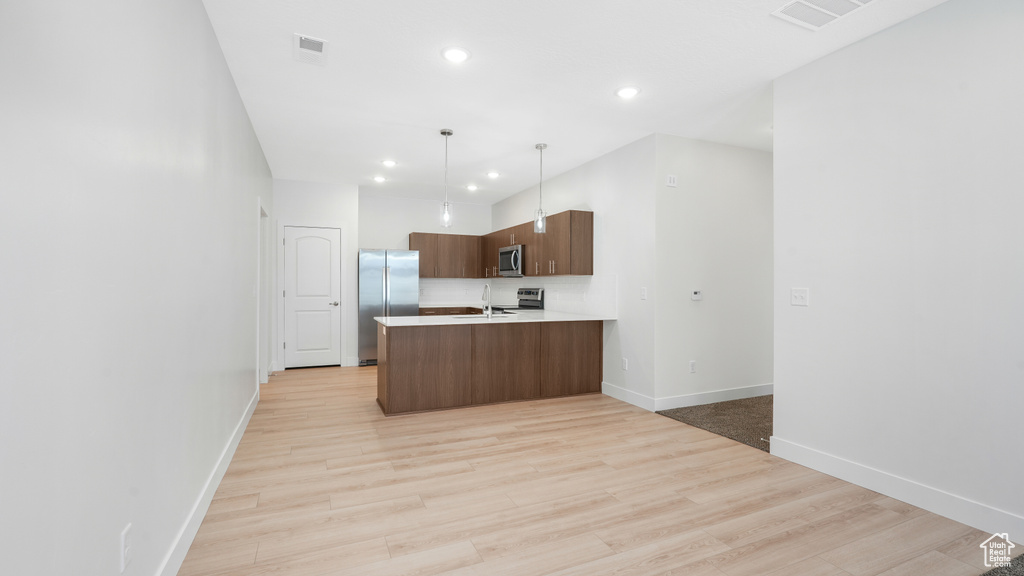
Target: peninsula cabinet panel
[(571, 358), (382, 367), (426, 368), (506, 362)]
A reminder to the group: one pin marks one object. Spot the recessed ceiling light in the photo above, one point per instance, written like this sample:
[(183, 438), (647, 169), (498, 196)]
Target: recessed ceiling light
[(493, 174), (379, 179), (471, 187), (627, 92), (455, 55), (388, 163)]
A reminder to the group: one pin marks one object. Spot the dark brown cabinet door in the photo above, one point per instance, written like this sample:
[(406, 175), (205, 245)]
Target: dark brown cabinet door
[(426, 367), (557, 245), (506, 362), (524, 236), (469, 247), (581, 243), (491, 244), (449, 256), (571, 358), (426, 243), (568, 245), (566, 248)]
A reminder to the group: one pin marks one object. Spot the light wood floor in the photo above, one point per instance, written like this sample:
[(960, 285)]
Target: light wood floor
[(322, 483)]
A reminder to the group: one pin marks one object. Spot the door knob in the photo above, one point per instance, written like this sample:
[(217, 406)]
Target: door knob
[(332, 303)]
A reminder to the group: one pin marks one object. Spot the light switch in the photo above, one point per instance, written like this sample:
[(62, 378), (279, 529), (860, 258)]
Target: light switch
[(800, 297), (696, 295), (643, 293)]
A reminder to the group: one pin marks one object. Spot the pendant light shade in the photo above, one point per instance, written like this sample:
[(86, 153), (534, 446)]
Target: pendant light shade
[(446, 208), (540, 221)]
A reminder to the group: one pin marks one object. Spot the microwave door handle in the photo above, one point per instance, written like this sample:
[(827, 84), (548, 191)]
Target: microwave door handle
[(515, 260)]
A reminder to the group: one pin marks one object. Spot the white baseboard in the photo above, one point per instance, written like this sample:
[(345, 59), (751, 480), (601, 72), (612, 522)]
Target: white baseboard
[(713, 396), (974, 514), (634, 398), (655, 404), (172, 562)]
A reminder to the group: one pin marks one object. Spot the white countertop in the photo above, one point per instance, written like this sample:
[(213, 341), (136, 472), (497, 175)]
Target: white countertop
[(519, 317)]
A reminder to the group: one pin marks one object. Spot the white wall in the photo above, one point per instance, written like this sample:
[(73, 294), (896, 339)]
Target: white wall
[(386, 222), (898, 180), (325, 206), (129, 247), (713, 234)]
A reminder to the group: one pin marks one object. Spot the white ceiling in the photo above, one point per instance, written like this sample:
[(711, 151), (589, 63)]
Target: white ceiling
[(540, 71)]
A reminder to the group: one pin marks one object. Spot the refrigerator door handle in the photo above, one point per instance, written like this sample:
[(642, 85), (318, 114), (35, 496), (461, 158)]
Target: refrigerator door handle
[(387, 291), (384, 291)]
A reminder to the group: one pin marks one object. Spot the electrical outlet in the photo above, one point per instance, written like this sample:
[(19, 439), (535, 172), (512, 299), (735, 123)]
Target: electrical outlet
[(670, 181), (696, 295), (800, 297), (126, 546), (693, 366), (643, 293), (625, 363)]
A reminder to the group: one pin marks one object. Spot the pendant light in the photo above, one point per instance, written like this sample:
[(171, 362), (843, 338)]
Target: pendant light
[(446, 208), (540, 224)]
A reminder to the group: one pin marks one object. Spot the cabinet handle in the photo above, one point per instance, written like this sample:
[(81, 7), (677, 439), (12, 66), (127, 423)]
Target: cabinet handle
[(536, 268)]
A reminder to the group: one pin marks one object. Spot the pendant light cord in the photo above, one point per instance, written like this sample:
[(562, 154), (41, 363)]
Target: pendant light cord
[(540, 187), (445, 168)]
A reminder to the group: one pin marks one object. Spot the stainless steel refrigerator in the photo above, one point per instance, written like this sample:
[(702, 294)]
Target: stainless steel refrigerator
[(389, 285)]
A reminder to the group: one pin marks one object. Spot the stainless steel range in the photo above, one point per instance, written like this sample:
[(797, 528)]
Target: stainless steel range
[(529, 299)]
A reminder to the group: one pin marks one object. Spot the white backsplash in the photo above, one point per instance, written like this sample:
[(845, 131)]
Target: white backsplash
[(577, 294)]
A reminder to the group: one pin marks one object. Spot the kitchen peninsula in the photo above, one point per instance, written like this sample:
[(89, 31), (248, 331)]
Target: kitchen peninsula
[(439, 362)]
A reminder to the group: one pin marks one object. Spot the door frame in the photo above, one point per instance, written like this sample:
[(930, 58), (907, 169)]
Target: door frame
[(279, 284), (264, 303)]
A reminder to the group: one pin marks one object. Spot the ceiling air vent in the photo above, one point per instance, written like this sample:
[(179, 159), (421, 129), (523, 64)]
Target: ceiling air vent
[(814, 14), (309, 50)]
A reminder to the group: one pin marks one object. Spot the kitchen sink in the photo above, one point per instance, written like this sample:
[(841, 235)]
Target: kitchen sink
[(506, 316)]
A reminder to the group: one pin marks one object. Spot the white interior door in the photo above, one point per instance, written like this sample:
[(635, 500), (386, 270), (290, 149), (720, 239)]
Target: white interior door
[(312, 296)]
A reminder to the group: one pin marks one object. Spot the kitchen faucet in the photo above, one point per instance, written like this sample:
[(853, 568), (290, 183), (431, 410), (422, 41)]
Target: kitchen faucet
[(487, 298)]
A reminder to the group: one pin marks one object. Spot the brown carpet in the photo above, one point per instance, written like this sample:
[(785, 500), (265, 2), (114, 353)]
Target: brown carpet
[(1016, 568), (748, 420)]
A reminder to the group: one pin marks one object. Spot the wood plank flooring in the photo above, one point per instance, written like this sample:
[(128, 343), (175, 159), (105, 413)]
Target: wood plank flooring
[(322, 483)]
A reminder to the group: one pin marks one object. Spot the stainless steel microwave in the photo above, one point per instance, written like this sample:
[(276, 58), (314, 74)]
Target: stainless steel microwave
[(510, 261)]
